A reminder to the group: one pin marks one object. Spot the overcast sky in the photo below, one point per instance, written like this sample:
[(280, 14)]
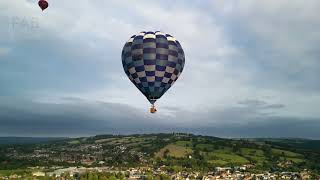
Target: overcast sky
[(252, 68)]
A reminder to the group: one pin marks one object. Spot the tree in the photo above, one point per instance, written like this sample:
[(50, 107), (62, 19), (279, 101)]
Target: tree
[(120, 175), (103, 178), (92, 176), (164, 177), (166, 153), (149, 177), (112, 177)]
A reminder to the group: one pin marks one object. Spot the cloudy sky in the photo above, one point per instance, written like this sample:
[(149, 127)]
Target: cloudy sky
[(252, 68)]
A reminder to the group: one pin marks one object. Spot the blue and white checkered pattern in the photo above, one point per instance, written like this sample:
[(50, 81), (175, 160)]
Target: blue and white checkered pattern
[(153, 61)]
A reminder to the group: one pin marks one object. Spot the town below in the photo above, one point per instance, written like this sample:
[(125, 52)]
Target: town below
[(160, 156)]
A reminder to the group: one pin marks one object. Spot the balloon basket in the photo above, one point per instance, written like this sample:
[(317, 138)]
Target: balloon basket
[(153, 109)]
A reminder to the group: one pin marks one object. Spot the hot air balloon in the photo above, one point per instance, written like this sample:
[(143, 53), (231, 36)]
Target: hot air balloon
[(153, 61), (43, 4)]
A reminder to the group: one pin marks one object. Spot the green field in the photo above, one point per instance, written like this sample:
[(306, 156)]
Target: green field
[(230, 158), (184, 143), (174, 151), (186, 151), (296, 160), (11, 172), (256, 155), (285, 153), (225, 154), (105, 140), (74, 142), (205, 147), (222, 155)]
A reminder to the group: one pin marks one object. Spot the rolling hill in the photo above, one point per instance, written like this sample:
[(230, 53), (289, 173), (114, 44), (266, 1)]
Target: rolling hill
[(176, 150)]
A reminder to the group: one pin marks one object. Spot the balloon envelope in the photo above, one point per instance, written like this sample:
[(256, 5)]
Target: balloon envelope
[(43, 4), (153, 61)]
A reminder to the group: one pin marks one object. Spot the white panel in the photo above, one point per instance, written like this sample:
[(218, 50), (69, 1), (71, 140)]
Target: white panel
[(141, 74), (151, 78)]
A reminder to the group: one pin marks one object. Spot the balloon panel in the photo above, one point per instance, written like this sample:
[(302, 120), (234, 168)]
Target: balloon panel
[(153, 61)]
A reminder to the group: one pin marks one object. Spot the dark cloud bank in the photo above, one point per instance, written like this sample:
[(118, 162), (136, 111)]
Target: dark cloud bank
[(76, 117)]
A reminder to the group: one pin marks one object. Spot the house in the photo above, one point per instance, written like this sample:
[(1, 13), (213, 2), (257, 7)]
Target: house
[(101, 162), (14, 176), (305, 175), (38, 174), (209, 177), (223, 169), (135, 176)]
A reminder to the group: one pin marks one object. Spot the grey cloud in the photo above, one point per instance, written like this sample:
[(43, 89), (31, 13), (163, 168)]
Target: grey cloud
[(274, 127), (53, 65), (244, 50), (79, 117), (278, 44), (71, 119), (275, 106), (255, 103), (4, 51)]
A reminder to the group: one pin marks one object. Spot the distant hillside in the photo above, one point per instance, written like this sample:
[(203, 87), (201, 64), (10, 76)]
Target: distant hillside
[(175, 151), (26, 140), (194, 151), (293, 143)]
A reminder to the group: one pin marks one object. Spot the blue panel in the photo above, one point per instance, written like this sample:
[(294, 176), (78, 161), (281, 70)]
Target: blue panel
[(172, 43), (134, 75), (163, 84), (143, 79), (173, 53), (130, 65), (157, 84), (139, 68), (137, 57), (167, 86), (149, 50), (128, 44), (167, 75), (162, 45), (161, 89), (137, 46), (171, 64), (144, 84), (127, 54), (176, 72), (161, 36), (149, 62), (137, 38), (159, 79), (149, 40), (160, 68), (150, 73), (179, 67)]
